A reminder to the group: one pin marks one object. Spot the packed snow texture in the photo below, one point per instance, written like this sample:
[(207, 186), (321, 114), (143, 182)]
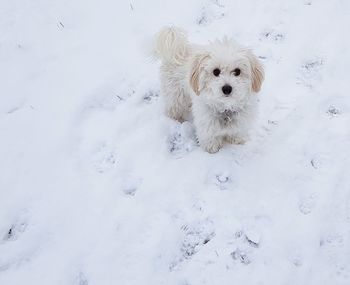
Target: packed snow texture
[(99, 187)]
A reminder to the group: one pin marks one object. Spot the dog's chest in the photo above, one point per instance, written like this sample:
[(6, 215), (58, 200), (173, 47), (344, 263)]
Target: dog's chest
[(227, 118)]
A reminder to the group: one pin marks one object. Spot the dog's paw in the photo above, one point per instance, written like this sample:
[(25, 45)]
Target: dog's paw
[(236, 140), (212, 146)]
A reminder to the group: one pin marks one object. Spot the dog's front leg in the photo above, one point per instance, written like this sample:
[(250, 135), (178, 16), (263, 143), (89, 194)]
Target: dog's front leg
[(208, 137)]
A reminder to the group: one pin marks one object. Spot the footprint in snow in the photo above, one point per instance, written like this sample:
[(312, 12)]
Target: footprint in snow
[(310, 72), (245, 243), (210, 13), (333, 111), (130, 184), (150, 96), (105, 98), (103, 158), (221, 179), (332, 247), (21, 255), (195, 236), (332, 240), (182, 139), (272, 36), (241, 255), (81, 279), (307, 203), (315, 163), (313, 65), (15, 231)]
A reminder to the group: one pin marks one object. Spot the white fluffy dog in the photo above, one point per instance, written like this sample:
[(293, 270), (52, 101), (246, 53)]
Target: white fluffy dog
[(217, 83)]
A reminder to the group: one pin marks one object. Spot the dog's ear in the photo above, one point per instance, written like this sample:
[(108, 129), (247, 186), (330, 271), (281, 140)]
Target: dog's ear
[(257, 71), (196, 67)]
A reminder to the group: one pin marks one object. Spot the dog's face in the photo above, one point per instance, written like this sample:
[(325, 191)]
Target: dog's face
[(225, 74)]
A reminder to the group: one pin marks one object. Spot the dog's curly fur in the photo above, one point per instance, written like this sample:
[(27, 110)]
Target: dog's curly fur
[(190, 86)]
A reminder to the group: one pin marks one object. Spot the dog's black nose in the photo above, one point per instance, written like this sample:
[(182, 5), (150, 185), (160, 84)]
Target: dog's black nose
[(227, 89)]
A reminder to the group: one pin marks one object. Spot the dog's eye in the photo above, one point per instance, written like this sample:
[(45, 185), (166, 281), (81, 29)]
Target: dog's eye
[(236, 72), (216, 71)]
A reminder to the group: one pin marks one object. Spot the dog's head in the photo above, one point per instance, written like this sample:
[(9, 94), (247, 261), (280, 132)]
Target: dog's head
[(225, 73)]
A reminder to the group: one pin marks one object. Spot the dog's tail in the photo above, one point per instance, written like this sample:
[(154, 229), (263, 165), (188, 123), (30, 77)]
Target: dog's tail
[(171, 46)]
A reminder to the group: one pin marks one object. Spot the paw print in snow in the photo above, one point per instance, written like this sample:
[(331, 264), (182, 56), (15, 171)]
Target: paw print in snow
[(310, 72), (333, 111), (272, 35), (196, 235), (150, 96), (314, 163), (333, 248), (130, 184), (332, 240), (211, 13), (222, 179), (245, 242), (182, 140), (307, 203), (104, 158), (15, 230), (241, 255), (105, 98), (253, 237), (312, 65), (82, 280)]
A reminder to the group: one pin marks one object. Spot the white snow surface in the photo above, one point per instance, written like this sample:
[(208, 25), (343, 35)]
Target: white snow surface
[(98, 186)]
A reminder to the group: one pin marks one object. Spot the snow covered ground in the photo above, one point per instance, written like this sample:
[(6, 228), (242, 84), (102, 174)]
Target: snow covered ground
[(98, 187)]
